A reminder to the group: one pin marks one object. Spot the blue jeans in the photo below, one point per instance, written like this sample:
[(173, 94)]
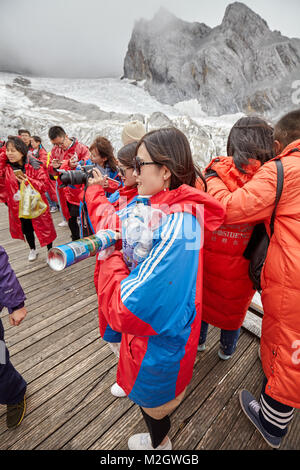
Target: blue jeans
[(12, 384), (228, 338)]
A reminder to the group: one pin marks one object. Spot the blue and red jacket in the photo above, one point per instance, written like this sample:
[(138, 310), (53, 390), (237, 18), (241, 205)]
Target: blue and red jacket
[(157, 306)]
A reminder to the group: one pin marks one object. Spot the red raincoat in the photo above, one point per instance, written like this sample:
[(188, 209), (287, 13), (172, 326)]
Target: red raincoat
[(102, 214), (227, 289), (42, 225), (69, 194)]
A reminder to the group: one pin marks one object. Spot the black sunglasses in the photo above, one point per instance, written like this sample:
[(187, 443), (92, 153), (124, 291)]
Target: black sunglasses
[(137, 164), (122, 171)]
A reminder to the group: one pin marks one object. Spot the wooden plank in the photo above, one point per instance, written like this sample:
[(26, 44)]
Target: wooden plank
[(60, 393), (82, 294), (49, 343), (226, 420), (189, 428), (46, 326), (69, 372)]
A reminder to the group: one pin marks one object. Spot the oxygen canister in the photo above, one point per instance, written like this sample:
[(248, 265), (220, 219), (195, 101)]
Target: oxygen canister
[(60, 257)]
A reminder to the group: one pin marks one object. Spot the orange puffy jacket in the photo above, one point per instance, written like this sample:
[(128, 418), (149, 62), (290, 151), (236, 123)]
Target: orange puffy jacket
[(280, 339), (227, 289)]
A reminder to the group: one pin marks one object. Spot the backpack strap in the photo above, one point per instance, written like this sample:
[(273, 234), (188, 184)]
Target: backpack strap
[(280, 178), (209, 173)]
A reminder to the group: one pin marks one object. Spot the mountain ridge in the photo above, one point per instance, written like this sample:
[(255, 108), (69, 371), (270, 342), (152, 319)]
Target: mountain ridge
[(237, 66)]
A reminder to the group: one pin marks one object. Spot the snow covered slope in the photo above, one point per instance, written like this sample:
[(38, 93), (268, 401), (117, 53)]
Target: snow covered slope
[(90, 107)]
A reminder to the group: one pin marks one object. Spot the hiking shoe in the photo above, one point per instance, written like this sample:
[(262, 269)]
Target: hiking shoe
[(143, 442), (117, 391), (223, 356), (251, 409), (15, 414), (201, 347), (32, 255)]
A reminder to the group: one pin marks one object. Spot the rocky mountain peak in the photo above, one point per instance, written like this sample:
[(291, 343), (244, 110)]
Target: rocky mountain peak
[(240, 16), (238, 66)]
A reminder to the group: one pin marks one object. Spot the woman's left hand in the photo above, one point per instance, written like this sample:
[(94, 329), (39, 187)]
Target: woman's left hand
[(98, 178)]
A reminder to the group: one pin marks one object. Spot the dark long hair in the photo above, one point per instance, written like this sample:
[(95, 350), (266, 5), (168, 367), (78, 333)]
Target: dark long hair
[(127, 153), (250, 137), (170, 147), (18, 144), (105, 150)]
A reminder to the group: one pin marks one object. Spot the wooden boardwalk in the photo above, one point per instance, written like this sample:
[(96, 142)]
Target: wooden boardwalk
[(69, 372)]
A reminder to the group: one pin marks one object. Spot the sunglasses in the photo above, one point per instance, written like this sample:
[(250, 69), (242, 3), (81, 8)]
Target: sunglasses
[(137, 164), (122, 171)]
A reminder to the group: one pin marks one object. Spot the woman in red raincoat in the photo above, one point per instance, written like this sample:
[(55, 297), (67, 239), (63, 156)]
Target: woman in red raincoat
[(42, 226), (227, 289)]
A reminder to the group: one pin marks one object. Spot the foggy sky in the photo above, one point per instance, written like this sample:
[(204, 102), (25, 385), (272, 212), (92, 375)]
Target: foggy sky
[(89, 38)]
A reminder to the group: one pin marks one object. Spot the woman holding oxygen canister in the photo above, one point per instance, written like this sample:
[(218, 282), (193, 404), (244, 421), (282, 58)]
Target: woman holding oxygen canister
[(147, 301)]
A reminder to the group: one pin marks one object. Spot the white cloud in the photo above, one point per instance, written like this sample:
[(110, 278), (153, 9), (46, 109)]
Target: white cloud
[(89, 38)]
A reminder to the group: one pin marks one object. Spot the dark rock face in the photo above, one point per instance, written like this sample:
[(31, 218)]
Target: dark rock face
[(240, 65)]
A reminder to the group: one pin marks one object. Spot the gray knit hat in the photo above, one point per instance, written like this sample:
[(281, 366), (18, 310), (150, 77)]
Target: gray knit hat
[(133, 132)]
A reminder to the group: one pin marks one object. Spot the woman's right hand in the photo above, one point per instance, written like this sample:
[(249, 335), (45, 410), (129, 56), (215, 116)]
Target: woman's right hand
[(98, 178), (17, 316)]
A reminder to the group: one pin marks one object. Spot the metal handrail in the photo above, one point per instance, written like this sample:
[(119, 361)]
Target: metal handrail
[(256, 309)]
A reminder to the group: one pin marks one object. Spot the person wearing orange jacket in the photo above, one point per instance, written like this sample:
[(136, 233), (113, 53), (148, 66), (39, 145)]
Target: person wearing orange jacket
[(280, 278), (227, 288), (29, 169), (66, 154)]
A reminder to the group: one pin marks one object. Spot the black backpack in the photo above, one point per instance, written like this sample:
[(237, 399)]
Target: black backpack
[(257, 247)]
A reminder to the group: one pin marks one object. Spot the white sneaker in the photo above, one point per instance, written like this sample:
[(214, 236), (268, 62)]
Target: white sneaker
[(64, 223), (117, 391), (32, 255), (53, 209), (143, 442)]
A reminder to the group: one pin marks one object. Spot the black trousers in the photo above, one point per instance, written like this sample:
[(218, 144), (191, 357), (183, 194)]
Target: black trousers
[(72, 222), (158, 428), (27, 229)]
